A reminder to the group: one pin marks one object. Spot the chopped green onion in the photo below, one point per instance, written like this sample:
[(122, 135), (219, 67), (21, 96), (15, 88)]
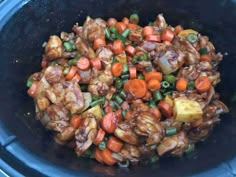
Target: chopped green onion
[(135, 59), (113, 29), (192, 38), (169, 78), (140, 76), (190, 148), (154, 159), (120, 37), (203, 51), (84, 87), (78, 56), (191, 85), (134, 18), (123, 94), (29, 82), (118, 99), (113, 36), (165, 84), (171, 131), (66, 70), (103, 112), (152, 105), (123, 164), (143, 57), (94, 98), (73, 61), (102, 145), (98, 101), (114, 60), (114, 105), (149, 68), (172, 85), (153, 147), (124, 76), (125, 68), (167, 93), (67, 46), (107, 33), (118, 83), (125, 33), (157, 95), (123, 113)]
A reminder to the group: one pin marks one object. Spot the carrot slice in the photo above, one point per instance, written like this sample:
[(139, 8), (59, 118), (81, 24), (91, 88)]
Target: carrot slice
[(109, 122), (114, 144), (76, 77), (100, 135), (153, 84), (132, 26), (98, 155), (165, 108), (181, 84), (138, 88), (117, 47), (73, 70), (132, 72), (156, 112), (153, 37), (99, 42), (118, 114), (125, 20), (148, 96), (33, 88), (111, 22), (148, 30), (205, 57), (83, 63), (120, 26), (178, 28), (126, 85), (108, 109), (116, 69), (202, 83), (167, 35), (153, 75), (75, 121), (107, 157), (130, 50), (96, 63)]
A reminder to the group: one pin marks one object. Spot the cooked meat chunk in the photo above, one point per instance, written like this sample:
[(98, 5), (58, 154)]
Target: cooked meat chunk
[(53, 74), (53, 48), (104, 54)]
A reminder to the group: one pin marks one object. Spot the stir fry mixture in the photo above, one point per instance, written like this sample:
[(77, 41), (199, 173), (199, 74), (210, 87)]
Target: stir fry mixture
[(121, 93)]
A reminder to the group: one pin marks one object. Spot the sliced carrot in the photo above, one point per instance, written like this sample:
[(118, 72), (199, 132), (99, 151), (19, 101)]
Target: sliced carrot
[(130, 50), (153, 75), (165, 109), (167, 35), (128, 115), (116, 69), (108, 109), (205, 57), (181, 84), (118, 114), (83, 63), (132, 26), (125, 20), (138, 88), (76, 77), (99, 42), (75, 121), (155, 112), (114, 144), (109, 122), (126, 85), (107, 157), (100, 136), (202, 83), (178, 28), (98, 155), (120, 26), (148, 96), (153, 37), (132, 72), (153, 84), (148, 30), (33, 88), (111, 22), (96, 63), (73, 70), (197, 122), (117, 47)]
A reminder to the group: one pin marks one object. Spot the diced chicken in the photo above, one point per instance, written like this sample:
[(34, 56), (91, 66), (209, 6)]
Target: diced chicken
[(84, 48), (104, 54), (53, 48), (53, 74)]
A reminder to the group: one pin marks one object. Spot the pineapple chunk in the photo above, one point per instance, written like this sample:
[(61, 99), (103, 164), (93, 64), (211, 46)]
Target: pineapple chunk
[(122, 58), (96, 111), (169, 100), (186, 110)]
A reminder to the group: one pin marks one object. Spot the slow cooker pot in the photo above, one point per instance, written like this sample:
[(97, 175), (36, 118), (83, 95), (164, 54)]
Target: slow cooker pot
[(27, 149)]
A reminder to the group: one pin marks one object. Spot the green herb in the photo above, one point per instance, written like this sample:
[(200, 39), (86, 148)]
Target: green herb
[(107, 33), (169, 78), (125, 33), (203, 51), (113, 29), (67, 46), (98, 101), (125, 68), (157, 95), (190, 85)]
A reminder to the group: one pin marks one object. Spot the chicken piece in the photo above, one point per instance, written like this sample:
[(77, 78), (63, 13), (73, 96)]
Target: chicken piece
[(147, 125), (189, 72), (104, 54), (57, 112), (93, 28), (67, 36), (160, 22), (175, 145), (86, 76), (53, 74), (42, 103), (130, 153), (86, 134), (135, 35), (100, 83), (53, 48), (149, 46), (84, 48), (73, 100), (56, 93)]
